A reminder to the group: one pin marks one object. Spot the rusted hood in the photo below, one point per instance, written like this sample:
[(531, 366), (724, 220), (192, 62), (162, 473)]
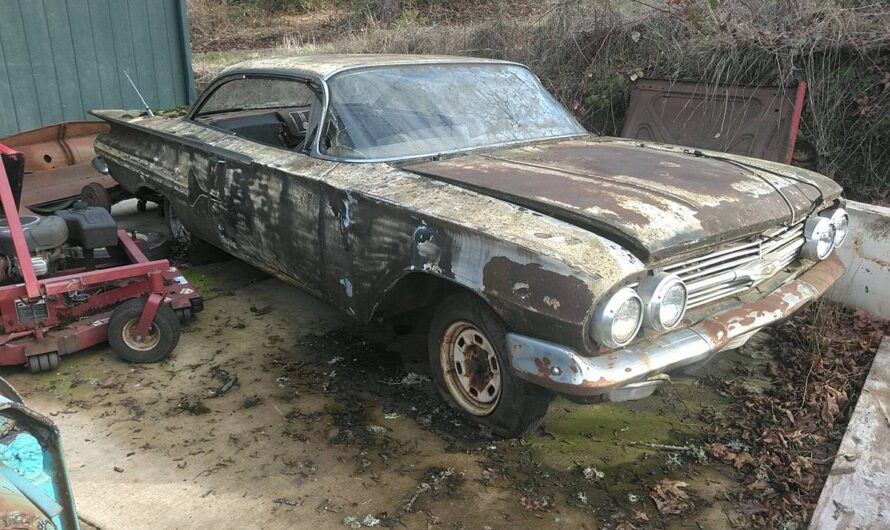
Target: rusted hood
[(656, 200)]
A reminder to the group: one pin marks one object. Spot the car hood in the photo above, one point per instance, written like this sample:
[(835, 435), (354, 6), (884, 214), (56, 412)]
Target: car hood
[(657, 200)]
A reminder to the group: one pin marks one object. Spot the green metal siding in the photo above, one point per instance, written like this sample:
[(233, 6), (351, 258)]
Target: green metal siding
[(62, 58)]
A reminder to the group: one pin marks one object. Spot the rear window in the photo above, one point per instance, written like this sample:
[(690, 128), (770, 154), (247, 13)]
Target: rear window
[(253, 93)]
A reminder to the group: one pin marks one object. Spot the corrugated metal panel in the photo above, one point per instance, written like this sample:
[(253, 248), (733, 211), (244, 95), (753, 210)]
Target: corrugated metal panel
[(62, 58)]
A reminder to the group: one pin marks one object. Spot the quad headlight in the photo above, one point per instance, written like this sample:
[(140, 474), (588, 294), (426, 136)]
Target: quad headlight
[(841, 222), (618, 320), (825, 233), (664, 300), (819, 233)]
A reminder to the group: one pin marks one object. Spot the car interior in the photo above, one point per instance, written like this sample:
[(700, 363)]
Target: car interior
[(280, 127)]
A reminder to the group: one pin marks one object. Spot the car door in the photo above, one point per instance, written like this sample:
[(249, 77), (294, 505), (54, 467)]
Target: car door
[(264, 197)]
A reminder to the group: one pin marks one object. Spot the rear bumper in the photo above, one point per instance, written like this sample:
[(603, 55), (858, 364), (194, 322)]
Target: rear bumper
[(622, 374)]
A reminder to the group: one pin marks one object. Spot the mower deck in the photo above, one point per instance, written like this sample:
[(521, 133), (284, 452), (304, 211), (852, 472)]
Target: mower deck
[(72, 309)]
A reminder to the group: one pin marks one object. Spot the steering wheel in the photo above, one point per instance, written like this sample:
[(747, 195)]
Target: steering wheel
[(292, 136)]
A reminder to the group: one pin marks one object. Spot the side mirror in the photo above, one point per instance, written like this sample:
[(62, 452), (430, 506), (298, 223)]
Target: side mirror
[(100, 165)]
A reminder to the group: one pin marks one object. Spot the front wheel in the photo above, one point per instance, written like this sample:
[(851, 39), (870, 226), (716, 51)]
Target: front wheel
[(162, 336), (470, 367)]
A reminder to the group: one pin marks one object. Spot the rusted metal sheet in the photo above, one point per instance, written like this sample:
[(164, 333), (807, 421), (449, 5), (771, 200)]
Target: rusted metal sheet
[(54, 146), (856, 493), (58, 161), (658, 203), (759, 122), (59, 184)]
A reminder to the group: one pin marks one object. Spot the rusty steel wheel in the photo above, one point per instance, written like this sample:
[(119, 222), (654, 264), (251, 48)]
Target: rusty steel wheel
[(149, 341), (471, 367)]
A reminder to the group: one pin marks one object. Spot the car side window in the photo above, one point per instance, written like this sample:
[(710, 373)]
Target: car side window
[(269, 110), (257, 93)]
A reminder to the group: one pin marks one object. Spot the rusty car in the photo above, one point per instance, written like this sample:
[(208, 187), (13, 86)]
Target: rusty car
[(552, 261)]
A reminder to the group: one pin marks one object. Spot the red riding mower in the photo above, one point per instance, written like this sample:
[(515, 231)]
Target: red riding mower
[(71, 280)]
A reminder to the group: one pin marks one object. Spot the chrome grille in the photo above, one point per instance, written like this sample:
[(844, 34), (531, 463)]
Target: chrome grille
[(738, 268)]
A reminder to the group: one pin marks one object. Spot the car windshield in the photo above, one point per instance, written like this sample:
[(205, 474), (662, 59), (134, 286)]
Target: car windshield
[(398, 112)]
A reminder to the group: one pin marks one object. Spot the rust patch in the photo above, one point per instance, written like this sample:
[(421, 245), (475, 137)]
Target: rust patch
[(531, 284), (655, 201), (543, 366), (57, 161), (777, 305)]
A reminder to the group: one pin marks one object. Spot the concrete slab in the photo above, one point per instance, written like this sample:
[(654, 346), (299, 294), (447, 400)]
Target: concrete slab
[(856, 494), (309, 436)]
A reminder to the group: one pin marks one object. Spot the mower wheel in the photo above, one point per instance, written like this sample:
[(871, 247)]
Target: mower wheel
[(95, 194), (157, 345), (43, 362), (184, 314)]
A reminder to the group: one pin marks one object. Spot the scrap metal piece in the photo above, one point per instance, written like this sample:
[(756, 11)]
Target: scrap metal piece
[(761, 122), (58, 162)]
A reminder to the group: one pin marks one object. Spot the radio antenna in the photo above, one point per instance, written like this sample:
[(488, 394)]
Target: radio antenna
[(148, 111)]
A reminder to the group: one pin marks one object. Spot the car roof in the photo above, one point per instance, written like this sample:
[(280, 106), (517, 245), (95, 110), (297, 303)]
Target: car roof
[(324, 66)]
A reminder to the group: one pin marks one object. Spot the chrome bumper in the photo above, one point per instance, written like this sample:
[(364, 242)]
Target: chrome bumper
[(622, 374)]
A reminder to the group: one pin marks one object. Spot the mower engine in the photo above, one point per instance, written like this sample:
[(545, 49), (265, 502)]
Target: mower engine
[(66, 239)]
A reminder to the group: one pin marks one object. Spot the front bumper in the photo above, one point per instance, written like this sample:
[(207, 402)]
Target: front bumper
[(623, 374)]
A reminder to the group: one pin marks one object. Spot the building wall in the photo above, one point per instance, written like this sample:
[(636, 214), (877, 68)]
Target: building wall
[(61, 58)]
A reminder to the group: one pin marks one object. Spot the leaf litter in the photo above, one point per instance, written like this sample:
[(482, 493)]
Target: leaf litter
[(776, 438)]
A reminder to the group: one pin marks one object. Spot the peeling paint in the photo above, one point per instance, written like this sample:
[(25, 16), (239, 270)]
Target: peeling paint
[(552, 302)]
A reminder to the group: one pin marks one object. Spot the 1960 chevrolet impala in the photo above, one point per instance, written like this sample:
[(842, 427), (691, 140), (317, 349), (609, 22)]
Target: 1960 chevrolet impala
[(556, 261)]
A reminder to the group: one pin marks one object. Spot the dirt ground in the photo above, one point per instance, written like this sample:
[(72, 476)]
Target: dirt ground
[(275, 411)]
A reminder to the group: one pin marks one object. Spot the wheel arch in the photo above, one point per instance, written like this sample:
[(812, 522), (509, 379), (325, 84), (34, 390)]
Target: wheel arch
[(415, 290)]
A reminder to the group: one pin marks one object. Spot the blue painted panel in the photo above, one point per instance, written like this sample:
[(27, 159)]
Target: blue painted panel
[(43, 68), (61, 58), (18, 67)]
